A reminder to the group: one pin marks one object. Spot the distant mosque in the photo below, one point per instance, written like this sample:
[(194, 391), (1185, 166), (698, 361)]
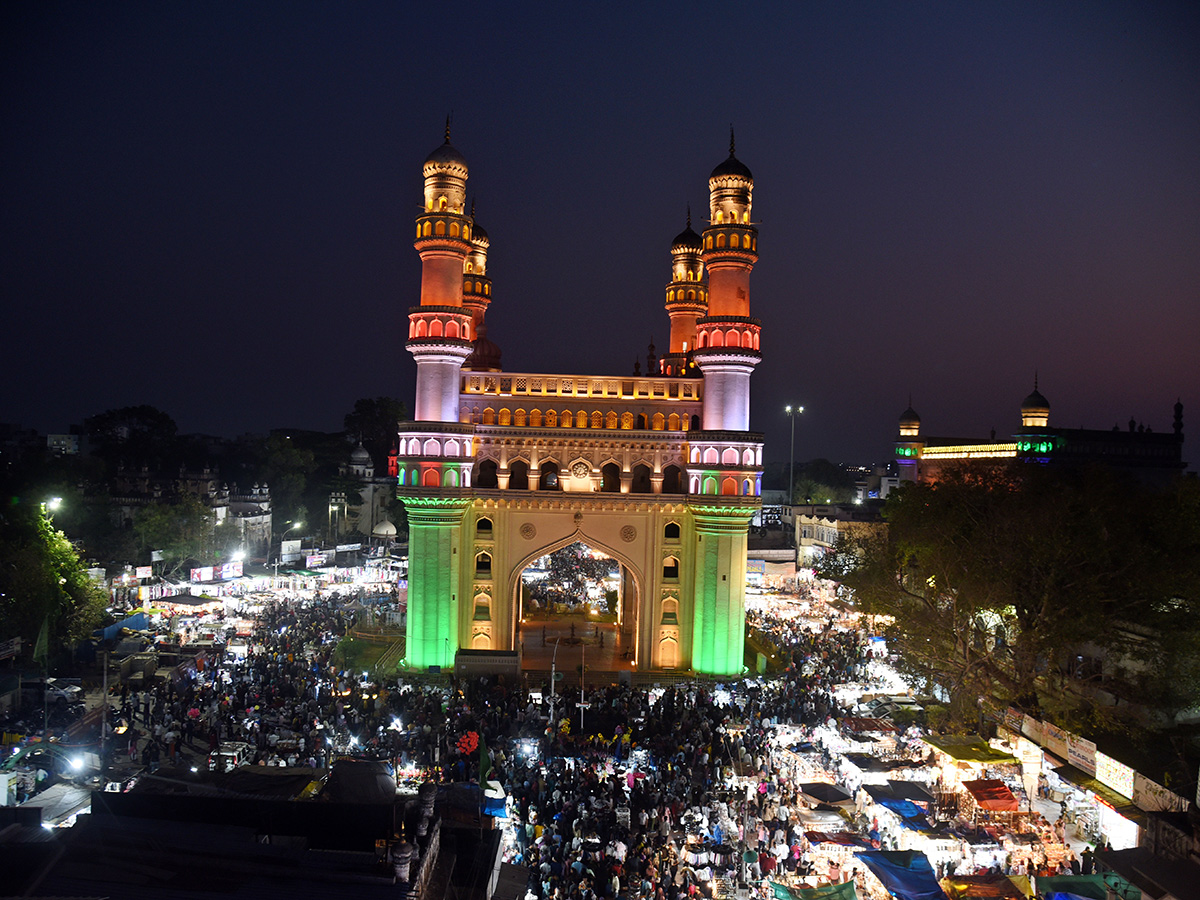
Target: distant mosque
[(658, 471), (1154, 457)]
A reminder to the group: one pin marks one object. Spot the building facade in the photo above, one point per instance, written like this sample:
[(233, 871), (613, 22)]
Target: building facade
[(659, 472)]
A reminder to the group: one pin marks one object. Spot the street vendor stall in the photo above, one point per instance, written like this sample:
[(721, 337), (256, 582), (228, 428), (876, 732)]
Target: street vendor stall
[(987, 887)]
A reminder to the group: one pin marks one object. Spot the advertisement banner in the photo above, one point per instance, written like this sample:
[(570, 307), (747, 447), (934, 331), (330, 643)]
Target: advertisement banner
[(289, 548), (11, 647), (144, 572), (346, 548), (1153, 797), (231, 570), (1055, 740), (311, 562), (1081, 753), (1113, 774), (203, 574), (1032, 729)]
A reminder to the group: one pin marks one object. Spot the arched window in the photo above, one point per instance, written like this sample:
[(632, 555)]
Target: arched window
[(729, 487), (551, 418), (732, 338), (519, 418), (548, 477), (611, 421), (710, 456), (668, 652), (421, 328), (747, 457), (518, 476), (627, 420), (708, 242), (483, 527), (747, 488), (414, 447), (469, 270), (691, 295), (670, 569), (505, 416), (641, 479), (403, 472), (671, 531), (610, 478), (439, 229), (430, 478), (483, 565), (672, 480), (710, 485), (659, 422), (673, 422), (441, 203), (453, 229), (450, 448), (695, 484), (718, 339), (450, 479), (435, 328), (670, 296), (695, 426), (427, 229), (432, 448), (702, 340), (478, 286), (535, 418), (721, 239), (694, 456), (451, 329), (734, 241), (566, 419), (641, 421), (581, 419), (597, 419), (489, 416), (466, 232), (729, 457), (487, 289), (418, 229), (486, 474)]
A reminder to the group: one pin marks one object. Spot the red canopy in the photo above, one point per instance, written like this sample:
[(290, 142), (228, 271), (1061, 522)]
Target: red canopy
[(992, 794)]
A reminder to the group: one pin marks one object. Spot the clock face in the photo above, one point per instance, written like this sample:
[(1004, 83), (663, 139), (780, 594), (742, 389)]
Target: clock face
[(581, 470)]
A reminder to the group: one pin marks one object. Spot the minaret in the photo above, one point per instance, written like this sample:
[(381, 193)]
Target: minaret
[(909, 445), (440, 329), (727, 339), (687, 300), (725, 472), (477, 295)]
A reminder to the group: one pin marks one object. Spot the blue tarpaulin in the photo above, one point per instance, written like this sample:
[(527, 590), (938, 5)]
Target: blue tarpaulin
[(138, 622), (911, 816), (906, 874)]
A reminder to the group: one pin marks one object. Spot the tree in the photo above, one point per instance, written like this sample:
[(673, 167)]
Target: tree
[(43, 580), (133, 434), (373, 421), (182, 530), (994, 581)]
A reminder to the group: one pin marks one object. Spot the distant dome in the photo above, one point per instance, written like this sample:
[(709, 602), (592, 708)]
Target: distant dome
[(384, 529), (1035, 403), (910, 418), (360, 456), (485, 355), (479, 234)]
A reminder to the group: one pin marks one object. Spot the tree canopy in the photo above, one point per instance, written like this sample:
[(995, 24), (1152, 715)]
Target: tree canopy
[(1012, 583)]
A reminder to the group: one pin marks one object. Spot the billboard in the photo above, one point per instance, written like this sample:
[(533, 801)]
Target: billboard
[(202, 574), (144, 572), (231, 570)]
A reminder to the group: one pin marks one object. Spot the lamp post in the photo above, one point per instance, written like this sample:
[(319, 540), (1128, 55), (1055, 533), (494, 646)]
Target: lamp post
[(792, 412)]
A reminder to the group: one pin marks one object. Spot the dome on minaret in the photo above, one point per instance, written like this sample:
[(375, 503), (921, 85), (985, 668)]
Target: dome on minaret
[(485, 355), (360, 456), (732, 166), (687, 239), (910, 422), (445, 159), (1035, 409)]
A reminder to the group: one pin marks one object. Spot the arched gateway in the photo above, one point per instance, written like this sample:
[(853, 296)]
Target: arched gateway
[(658, 471)]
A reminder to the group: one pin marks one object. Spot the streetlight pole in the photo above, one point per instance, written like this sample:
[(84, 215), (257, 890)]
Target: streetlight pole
[(282, 535), (792, 412)]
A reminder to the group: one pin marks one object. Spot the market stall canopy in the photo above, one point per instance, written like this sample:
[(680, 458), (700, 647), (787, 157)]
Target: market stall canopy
[(1001, 887), (820, 819), (906, 874), (992, 795), (864, 725), (1094, 887), (843, 891), (842, 838), (969, 748), (911, 816), (910, 790), (1119, 802), (868, 763), (823, 792)]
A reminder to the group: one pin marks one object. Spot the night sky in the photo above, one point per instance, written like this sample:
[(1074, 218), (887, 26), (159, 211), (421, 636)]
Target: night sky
[(208, 207)]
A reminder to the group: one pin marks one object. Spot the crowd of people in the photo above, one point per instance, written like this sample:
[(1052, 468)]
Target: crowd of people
[(660, 794)]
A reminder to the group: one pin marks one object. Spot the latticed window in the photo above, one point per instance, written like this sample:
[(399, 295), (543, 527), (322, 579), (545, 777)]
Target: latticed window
[(489, 385), (522, 385), (566, 387)]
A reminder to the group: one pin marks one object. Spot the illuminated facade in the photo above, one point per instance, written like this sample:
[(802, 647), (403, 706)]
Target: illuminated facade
[(1153, 457), (659, 471)]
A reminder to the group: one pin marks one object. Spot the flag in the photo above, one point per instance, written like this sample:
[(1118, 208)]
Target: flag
[(41, 648), (485, 762)]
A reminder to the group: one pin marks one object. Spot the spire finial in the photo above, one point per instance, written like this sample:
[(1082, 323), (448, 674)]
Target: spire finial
[(472, 209), (731, 144), (1035, 379), (689, 217), (448, 128)]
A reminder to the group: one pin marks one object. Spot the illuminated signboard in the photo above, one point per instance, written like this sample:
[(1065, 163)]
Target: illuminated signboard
[(231, 570), (204, 574), (1113, 774), (144, 572)]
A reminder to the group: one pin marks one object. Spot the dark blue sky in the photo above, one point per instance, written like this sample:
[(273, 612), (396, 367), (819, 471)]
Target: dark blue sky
[(208, 207)]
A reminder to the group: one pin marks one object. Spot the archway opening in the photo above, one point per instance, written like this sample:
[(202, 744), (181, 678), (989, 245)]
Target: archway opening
[(572, 607)]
